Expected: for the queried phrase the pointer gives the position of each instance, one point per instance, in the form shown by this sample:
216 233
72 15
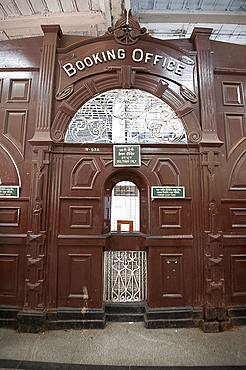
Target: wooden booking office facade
95 127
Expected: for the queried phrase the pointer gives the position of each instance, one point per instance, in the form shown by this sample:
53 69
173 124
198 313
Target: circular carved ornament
194 137
58 136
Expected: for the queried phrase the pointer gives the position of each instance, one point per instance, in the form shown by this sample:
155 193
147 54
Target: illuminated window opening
125 207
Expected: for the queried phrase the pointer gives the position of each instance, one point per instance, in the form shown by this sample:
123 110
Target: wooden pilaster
35 282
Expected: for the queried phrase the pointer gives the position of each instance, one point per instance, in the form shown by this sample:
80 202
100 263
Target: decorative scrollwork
126 116
64 93
127 31
194 137
125 275
58 136
187 60
187 94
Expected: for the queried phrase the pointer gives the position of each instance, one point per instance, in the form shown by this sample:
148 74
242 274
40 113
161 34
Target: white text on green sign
126 155
9 191
168 191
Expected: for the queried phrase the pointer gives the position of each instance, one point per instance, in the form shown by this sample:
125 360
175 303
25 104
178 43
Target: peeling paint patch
85 297
84 310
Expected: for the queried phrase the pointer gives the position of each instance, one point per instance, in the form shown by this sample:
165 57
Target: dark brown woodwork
53 236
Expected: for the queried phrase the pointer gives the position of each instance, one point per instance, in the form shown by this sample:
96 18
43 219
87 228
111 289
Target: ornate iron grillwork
125 276
126 116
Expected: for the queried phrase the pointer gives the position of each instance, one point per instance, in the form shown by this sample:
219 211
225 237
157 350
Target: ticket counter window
125 207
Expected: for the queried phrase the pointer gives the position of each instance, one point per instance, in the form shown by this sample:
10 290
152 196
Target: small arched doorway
125 272
126 223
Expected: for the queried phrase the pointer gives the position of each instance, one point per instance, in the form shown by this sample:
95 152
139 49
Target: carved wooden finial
127 30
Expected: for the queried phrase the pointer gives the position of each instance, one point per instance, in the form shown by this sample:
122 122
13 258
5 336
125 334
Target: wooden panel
233 217
170 216
15 127
234 126
8 173
238 269
84 173
9 216
172 275
235 267
80 276
12 273
80 217
167 172
238 175
238 217
232 93
19 90
13 216
8 274
77 218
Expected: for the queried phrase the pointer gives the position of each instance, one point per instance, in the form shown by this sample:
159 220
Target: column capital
52 28
199 31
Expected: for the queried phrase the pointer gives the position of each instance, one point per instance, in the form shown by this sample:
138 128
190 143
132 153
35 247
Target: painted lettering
178 70
111 54
157 58
147 57
69 69
164 62
171 65
121 54
138 55
104 56
80 65
141 54
96 58
88 62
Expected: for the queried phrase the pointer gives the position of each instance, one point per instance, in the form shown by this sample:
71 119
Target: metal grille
125 276
126 116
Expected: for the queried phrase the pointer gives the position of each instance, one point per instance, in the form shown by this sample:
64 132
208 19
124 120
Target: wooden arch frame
138 178
90 87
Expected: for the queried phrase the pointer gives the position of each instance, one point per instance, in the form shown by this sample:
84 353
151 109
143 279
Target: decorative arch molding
9 171
238 174
126 174
90 87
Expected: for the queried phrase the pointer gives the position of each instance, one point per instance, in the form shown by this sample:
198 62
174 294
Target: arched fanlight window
126 116
125 207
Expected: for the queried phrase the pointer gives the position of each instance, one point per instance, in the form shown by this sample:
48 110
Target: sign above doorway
126 155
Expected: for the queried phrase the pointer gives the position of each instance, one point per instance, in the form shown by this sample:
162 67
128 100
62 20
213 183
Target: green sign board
126 155
9 191
168 191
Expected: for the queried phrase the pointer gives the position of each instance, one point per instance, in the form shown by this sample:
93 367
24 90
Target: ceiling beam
159 16
27 26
